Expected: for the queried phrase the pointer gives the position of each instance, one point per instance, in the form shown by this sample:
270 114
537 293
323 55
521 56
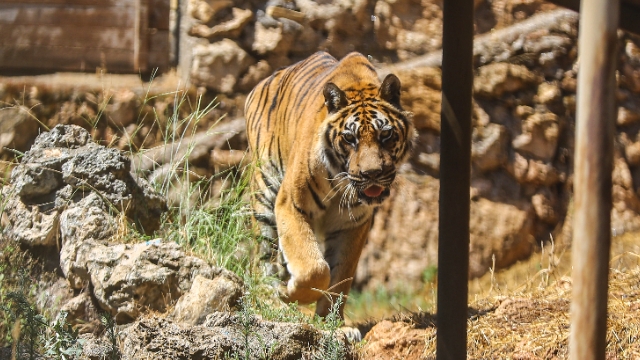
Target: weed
63 343
381 302
331 348
28 326
430 274
111 333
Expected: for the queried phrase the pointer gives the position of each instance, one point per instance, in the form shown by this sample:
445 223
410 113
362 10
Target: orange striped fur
328 137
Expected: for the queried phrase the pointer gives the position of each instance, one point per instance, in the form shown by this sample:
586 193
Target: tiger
327 138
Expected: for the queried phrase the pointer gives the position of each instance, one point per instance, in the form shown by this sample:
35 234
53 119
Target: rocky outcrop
404 239
522 153
235 35
74 196
523 117
222 334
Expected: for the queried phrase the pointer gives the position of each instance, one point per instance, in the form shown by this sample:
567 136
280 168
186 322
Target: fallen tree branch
189 148
496 45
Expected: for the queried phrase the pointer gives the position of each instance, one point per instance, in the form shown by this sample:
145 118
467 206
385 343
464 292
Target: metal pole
592 177
455 157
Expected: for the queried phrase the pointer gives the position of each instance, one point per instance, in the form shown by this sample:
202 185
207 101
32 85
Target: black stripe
264 201
332 235
357 220
316 198
265 219
313 178
279 156
333 161
299 209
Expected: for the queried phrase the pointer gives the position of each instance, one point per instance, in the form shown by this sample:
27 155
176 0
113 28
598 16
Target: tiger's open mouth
374 193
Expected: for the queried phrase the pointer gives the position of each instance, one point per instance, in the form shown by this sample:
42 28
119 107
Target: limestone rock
539 137
500 230
272 40
205 297
534 172
17 128
548 92
627 116
544 206
489 147
224 335
422 96
230 29
205 10
495 79
218 65
129 278
82 228
401 26
404 238
121 111
31 224
82 313
631 150
254 75
62 168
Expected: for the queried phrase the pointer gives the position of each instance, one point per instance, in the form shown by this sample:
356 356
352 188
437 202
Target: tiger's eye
349 138
385 134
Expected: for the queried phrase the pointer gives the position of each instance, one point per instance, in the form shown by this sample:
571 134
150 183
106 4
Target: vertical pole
455 164
592 177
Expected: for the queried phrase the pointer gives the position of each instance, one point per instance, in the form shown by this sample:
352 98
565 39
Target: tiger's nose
371 173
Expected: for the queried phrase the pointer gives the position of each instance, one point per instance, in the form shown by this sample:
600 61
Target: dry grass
524 312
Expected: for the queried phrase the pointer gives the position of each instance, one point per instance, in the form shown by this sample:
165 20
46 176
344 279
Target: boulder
227 335
403 241
489 147
17 128
127 279
205 297
219 65
539 136
65 169
499 230
71 192
229 29
495 79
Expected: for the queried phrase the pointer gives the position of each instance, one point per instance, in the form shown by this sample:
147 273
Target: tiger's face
367 136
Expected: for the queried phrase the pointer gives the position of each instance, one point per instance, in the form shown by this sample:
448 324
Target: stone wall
523 118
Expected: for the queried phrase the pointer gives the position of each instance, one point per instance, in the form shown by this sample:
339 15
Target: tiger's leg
310 273
342 252
265 184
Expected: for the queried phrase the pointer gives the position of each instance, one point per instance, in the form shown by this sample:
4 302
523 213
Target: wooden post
595 126
455 164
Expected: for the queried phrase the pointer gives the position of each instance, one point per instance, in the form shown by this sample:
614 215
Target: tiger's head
365 137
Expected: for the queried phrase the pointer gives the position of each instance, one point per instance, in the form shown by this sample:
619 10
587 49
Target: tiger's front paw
307 285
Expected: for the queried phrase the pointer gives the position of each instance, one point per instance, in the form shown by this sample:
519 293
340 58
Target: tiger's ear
390 90
334 98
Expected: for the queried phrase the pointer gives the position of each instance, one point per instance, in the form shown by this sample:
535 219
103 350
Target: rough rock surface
62 168
17 129
223 334
205 297
71 194
523 112
394 340
403 241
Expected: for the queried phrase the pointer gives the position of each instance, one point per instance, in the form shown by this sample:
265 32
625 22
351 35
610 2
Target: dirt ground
524 312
